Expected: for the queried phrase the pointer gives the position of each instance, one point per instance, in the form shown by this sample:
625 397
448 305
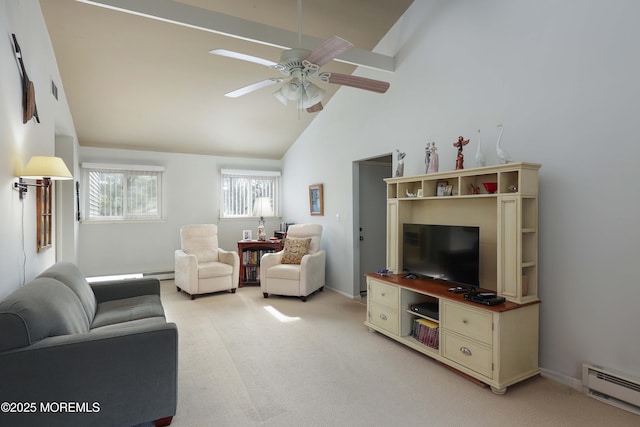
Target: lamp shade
40 167
262 207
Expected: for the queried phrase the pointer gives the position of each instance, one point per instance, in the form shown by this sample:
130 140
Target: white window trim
87 166
249 172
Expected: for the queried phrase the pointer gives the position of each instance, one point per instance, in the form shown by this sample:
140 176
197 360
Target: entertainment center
495 344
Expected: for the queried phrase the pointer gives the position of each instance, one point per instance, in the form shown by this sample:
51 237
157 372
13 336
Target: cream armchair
201 266
281 275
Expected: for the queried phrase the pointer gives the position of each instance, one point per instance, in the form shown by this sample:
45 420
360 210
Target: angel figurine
433 159
427 157
400 166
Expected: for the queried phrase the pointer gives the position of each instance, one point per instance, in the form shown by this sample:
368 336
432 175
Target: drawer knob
465 321
383 317
382 294
465 351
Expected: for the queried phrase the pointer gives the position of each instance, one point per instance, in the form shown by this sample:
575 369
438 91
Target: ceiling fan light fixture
312 95
280 96
291 89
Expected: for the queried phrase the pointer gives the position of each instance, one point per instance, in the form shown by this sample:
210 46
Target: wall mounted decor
29 108
316 202
44 216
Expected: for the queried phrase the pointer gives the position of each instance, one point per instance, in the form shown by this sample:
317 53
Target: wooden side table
250 253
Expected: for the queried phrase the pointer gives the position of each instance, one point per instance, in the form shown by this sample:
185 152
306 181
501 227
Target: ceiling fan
299 66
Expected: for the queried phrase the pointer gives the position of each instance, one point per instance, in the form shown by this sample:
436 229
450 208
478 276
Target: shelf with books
250 253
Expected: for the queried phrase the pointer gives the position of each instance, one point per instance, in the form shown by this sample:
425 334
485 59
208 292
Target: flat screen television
444 252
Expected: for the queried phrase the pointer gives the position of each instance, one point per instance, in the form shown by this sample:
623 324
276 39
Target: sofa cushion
214 269
42 308
128 309
124 326
70 275
294 250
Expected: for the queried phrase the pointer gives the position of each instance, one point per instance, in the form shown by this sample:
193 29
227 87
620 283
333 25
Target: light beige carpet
242 363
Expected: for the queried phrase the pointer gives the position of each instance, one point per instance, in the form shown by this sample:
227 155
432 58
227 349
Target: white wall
19 261
562 77
191 196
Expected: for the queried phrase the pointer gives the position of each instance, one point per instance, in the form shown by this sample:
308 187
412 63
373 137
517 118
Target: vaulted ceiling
139 82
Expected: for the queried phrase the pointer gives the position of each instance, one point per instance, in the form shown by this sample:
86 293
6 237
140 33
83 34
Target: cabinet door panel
509 247
385 317
392 236
468 321
468 353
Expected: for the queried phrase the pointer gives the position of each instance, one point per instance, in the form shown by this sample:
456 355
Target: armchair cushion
203 254
285 271
214 269
295 249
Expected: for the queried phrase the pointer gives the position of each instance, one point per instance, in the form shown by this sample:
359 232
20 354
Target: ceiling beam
231 26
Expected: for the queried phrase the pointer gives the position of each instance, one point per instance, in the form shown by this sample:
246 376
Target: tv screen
444 252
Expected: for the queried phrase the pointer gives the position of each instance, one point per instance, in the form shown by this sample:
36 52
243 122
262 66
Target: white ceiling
140 83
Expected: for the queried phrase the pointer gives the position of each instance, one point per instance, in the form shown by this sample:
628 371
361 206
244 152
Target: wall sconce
46 168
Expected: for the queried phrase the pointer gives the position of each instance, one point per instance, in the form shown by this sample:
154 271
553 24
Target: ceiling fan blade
315 108
358 82
328 50
252 87
244 57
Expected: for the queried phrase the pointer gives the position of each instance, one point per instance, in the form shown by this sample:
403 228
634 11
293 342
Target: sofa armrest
128 288
119 376
312 272
233 259
268 260
186 271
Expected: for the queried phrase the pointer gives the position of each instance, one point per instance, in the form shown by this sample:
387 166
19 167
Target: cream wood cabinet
508 220
497 345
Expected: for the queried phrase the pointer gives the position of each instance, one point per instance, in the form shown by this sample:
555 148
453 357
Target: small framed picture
441 188
316 203
448 190
246 234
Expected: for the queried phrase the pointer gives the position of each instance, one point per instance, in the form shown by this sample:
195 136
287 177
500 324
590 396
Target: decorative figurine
460 159
427 156
400 167
480 159
433 159
502 153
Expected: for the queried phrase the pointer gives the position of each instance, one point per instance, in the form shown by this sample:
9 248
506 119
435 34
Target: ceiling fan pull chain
300 23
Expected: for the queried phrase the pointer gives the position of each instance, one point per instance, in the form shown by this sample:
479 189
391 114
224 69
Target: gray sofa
75 354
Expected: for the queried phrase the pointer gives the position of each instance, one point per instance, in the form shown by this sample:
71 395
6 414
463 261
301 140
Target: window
123 192
248 194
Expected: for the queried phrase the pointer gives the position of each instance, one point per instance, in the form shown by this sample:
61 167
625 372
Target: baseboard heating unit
612 387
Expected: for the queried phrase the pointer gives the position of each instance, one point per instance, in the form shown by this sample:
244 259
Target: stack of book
427 332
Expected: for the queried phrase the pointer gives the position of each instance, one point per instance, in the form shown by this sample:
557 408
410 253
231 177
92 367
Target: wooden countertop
440 290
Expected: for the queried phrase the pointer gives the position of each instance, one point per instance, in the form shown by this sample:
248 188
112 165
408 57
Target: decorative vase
480 159
502 153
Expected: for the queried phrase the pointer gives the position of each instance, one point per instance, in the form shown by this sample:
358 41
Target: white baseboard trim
340 292
574 383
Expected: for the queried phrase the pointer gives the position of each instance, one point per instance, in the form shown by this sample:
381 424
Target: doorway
370 217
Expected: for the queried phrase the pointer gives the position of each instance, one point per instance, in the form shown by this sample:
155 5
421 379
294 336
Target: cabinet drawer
473 355
467 321
385 317
381 293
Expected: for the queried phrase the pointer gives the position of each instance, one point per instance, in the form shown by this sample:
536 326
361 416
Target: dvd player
485 298
428 309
